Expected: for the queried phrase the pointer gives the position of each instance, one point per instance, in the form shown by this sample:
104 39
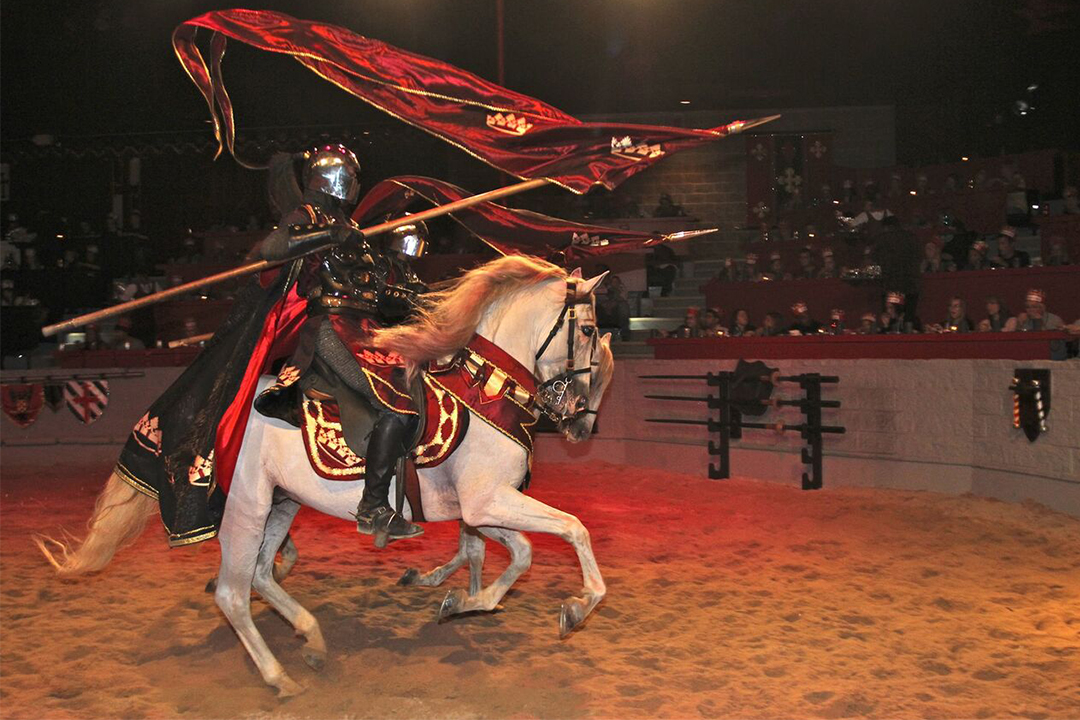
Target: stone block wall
942 425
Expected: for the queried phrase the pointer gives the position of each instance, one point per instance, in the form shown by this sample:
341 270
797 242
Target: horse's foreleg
266 584
488 598
508 508
241 537
436 577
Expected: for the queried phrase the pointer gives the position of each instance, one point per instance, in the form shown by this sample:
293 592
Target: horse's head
569 357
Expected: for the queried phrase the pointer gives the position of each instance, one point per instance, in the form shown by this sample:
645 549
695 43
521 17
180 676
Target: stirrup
386 525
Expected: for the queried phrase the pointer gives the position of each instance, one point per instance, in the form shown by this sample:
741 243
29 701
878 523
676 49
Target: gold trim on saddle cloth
446 429
524 426
324 434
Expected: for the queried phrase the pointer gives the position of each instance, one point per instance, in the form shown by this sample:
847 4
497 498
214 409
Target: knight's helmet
409 240
333 170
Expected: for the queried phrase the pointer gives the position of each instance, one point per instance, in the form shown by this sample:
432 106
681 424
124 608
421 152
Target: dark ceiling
955 69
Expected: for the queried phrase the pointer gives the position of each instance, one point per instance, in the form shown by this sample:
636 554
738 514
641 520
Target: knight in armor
353 286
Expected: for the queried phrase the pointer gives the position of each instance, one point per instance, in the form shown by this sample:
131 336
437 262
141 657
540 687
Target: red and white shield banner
87 398
22 403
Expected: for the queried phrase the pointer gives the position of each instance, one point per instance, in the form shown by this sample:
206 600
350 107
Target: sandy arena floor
726 599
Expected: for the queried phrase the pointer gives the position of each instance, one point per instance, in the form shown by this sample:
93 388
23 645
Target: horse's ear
589 286
576 273
605 340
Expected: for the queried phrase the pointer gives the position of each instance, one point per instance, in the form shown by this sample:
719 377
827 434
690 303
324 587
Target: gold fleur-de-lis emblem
759 152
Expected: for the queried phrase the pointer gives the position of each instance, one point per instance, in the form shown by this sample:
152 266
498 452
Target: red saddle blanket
332 458
482 378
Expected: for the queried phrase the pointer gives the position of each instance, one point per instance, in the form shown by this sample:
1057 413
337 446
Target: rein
551 394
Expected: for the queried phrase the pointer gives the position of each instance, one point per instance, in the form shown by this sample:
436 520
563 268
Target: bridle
554 395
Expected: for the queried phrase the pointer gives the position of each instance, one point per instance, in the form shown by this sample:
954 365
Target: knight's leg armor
385 446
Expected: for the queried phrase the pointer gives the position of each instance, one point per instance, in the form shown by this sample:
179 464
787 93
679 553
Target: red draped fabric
504 229
278 339
515 133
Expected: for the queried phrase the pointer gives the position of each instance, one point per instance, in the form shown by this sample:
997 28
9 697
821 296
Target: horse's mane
446 319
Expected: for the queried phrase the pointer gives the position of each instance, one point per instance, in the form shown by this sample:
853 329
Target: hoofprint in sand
732 598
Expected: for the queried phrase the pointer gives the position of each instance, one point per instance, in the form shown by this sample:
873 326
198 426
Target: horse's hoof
211 585
410 577
571 615
287 688
452 604
315 659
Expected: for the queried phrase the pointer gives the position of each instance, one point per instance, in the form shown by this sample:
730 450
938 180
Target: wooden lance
122 308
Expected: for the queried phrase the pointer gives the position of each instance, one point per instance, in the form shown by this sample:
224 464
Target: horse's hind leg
508 508
265 583
488 599
241 537
470 549
289 555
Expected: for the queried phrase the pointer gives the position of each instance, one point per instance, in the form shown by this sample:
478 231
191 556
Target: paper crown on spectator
869 316
979 245
1035 295
774 255
895 298
836 314
826 252
691 311
798 307
1008 232
751 259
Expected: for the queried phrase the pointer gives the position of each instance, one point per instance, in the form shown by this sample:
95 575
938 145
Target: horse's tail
120 515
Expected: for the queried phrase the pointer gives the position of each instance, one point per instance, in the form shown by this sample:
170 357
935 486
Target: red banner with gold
507 230
515 133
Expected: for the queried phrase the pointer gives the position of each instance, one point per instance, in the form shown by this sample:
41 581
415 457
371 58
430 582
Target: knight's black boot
374 516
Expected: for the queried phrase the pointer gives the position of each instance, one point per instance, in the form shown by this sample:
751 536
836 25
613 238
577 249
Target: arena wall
940 425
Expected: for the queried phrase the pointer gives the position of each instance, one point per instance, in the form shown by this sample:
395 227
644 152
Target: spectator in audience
897 318
689 327
896 188
868 325
998 318
748 272
933 262
807 269
772 325
1036 317
612 306
7 292
956 320
1008 256
776 268
660 268
802 324
922 185
828 265
122 338
871 221
1058 254
740 325
836 321
848 193
709 324
666 207
729 272
1072 202
977 257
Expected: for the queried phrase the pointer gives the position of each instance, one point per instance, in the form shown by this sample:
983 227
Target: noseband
551 395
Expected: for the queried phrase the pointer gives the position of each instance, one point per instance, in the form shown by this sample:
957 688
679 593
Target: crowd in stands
956 317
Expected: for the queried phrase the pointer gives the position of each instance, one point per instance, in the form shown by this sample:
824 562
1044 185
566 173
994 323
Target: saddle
336 422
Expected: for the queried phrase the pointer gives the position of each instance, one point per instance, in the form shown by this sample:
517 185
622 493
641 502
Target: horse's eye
587 330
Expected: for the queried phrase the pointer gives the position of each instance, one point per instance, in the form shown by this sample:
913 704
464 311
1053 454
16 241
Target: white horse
515 302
